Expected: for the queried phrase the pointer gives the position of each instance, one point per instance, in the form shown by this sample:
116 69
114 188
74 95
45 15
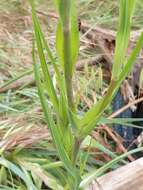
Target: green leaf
55 130
67 42
90 119
47 78
123 36
99 146
16 78
42 175
121 121
8 108
18 172
131 60
62 99
3 175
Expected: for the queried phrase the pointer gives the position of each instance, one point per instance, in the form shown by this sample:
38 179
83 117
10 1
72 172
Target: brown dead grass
21 131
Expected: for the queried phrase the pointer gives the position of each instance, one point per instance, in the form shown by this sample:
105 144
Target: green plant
68 128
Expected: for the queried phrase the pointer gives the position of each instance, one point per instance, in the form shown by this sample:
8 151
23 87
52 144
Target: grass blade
17 171
123 36
91 118
55 131
47 78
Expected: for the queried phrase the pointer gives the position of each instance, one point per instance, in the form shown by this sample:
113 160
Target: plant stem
76 148
67 54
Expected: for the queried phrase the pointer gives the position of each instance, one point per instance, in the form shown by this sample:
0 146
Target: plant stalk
68 81
67 54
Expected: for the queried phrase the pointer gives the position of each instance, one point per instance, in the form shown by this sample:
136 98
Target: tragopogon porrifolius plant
68 128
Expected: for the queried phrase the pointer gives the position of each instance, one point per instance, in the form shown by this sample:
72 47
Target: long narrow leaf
60 80
123 36
67 11
92 116
16 170
55 131
93 175
47 78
